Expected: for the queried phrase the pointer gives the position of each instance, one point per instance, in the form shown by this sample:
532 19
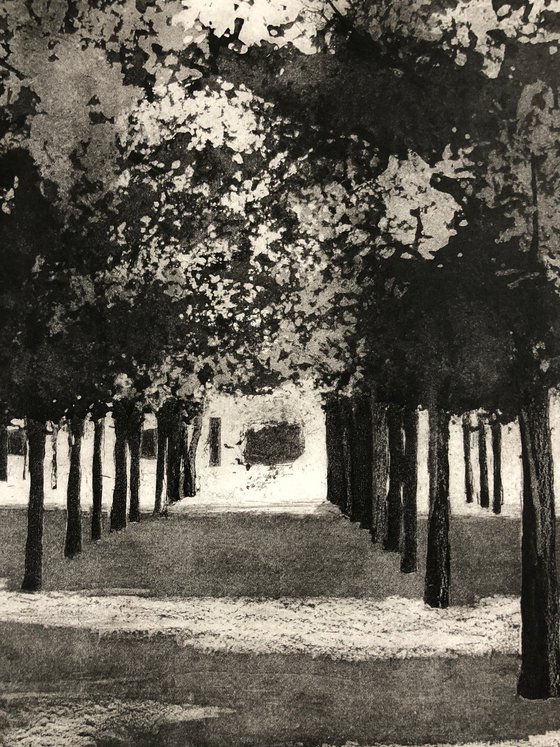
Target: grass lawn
257 555
275 699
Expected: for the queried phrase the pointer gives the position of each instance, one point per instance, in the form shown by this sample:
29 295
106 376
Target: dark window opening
276 443
215 442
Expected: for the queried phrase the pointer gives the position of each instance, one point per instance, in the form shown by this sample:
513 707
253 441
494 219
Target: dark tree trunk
97 479
33 574
394 494
162 437
118 508
346 419
189 489
3 452
73 542
135 446
540 619
483 464
336 484
498 492
362 467
54 456
380 471
469 480
409 563
174 460
192 452
25 447
438 556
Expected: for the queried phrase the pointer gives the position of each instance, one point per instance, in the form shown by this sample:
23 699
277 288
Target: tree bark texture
73 541
336 484
190 468
467 455
54 456
380 468
97 479
25 450
540 620
409 561
118 508
483 465
346 418
173 467
438 556
362 466
394 494
3 452
189 488
33 574
135 423
162 437
498 491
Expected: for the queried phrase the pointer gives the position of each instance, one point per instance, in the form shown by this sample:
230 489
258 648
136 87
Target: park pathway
347 629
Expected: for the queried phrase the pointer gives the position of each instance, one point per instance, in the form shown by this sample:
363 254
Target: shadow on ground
262 556
276 700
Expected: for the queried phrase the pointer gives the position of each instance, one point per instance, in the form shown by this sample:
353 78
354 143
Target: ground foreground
201 631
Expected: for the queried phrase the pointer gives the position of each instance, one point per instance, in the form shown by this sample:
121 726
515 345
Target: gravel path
349 629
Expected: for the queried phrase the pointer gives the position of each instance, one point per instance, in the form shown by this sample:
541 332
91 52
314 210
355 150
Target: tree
498 491
483 464
409 562
467 456
394 495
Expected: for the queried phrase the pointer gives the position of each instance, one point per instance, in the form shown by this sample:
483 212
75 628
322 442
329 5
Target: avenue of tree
231 195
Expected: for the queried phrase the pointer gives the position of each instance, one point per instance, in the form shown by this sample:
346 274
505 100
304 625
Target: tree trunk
380 471
346 419
97 479
362 467
162 437
483 464
33 574
540 619
54 456
3 451
174 460
135 446
469 480
438 557
498 492
336 484
409 563
25 441
73 542
118 508
192 451
189 489
394 498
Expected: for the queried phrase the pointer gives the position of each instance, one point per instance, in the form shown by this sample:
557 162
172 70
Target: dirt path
348 629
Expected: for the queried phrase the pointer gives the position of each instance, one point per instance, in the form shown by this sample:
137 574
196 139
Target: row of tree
197 196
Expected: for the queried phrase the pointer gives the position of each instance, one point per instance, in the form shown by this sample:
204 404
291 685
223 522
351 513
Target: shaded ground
277 700
262 556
